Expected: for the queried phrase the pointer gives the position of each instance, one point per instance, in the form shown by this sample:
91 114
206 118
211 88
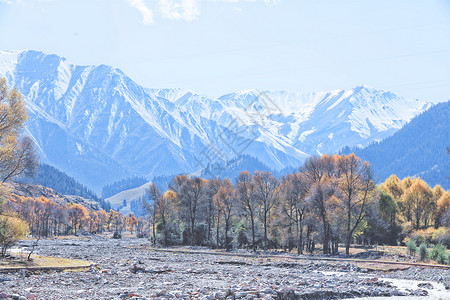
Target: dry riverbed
129 269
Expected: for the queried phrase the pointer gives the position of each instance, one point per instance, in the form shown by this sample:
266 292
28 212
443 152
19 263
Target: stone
396 293
239 295
79 292
425 285
31 296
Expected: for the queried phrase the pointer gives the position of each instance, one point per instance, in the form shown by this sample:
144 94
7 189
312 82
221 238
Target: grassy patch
381 267
19 261
61 237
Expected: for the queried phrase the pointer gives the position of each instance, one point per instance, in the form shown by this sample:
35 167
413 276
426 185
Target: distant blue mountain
420 148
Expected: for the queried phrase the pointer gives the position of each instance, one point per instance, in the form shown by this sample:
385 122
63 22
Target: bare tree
294 191
288 207
150 204
211 210
191 198
165 212
265 185
246 193
355 186
226 200
317 172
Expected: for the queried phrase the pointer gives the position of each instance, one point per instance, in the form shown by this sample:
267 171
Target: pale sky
219 46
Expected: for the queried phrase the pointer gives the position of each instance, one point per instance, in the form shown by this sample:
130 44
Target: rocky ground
124 272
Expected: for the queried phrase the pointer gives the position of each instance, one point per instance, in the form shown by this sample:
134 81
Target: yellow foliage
393 186
417 203
443 204
11 230
17 154
440 235
19 227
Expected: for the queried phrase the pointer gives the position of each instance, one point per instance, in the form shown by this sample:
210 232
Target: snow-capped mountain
98 125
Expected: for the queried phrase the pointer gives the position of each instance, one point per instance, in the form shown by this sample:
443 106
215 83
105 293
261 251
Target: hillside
418 149
36 191
122 185
60 182
128 199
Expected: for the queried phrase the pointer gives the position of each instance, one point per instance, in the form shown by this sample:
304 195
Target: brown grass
19 261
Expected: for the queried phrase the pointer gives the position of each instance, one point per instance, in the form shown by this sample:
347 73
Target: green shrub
412 248
443 259
423 252
437 251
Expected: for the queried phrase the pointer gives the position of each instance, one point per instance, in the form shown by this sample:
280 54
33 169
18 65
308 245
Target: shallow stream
437 291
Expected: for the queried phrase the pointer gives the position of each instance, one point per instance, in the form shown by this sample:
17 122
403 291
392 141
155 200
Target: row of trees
412 200
327 201
331 200
410 207
48 218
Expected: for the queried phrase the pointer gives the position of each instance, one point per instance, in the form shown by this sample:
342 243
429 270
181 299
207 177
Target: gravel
124 272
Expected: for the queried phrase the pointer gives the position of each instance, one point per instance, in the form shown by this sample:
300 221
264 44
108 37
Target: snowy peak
85 116
8 60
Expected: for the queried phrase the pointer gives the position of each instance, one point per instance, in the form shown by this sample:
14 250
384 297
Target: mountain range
99 126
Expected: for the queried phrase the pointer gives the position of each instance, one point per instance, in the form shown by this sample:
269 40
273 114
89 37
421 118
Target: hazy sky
220 46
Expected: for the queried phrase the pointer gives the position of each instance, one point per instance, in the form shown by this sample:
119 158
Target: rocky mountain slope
36 191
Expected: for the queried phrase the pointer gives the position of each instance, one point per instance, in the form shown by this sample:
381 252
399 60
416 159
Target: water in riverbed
438 292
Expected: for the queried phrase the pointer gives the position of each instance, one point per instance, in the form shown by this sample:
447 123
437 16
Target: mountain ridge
99 126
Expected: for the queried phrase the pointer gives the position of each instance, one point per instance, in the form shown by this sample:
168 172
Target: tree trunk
300 238
336 247
308 244
349 233
253 231
192 231
265 231
217 231
154 233
347 245
289 237
209 222
164 231
226 235
326 237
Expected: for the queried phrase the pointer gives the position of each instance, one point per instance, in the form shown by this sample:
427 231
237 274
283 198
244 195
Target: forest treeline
62 183
331 200
122 185
46 218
